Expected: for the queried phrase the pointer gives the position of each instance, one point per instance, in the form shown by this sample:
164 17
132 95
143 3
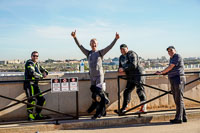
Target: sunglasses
169 50
35 55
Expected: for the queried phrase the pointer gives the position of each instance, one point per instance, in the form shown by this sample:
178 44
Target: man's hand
158 73
73 34
44 74
121 73
121 70
117 36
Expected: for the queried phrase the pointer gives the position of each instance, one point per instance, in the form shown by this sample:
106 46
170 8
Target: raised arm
105 50
85 51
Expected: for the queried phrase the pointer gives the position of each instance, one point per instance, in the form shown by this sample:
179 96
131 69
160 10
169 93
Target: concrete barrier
65 102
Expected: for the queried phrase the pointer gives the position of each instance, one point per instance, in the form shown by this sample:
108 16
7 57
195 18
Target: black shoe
99 116
174 121
96 116
121 111
184 119
41 117
104 114
93 117
116 111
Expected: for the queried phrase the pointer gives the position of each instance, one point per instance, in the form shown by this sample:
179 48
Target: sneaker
99 116
41 117
31 117
121 111
143 108
95 117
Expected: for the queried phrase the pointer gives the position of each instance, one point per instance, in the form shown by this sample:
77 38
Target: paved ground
192 126
158 122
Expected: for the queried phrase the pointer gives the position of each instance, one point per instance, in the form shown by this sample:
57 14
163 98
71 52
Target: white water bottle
82 66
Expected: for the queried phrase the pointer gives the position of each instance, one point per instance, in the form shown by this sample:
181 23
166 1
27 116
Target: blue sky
146 26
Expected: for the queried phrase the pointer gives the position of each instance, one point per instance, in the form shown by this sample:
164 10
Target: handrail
41 107
152 87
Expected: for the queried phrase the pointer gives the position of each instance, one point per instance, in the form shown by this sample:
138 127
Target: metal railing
150 100
69 117
66 116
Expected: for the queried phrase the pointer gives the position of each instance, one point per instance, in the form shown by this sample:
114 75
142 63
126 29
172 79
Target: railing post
118 82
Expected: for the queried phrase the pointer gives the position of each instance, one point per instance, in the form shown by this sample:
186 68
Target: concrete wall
66 102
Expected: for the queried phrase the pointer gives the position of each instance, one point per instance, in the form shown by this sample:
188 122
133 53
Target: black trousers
99 101
31 89
130 86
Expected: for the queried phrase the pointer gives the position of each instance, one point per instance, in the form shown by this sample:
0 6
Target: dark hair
34 52
170 47
123 46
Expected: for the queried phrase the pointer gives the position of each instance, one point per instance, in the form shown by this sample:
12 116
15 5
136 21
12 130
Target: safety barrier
150 100
66 116
76 116
24 101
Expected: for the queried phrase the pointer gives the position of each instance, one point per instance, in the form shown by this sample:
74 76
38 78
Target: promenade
157 127
147 123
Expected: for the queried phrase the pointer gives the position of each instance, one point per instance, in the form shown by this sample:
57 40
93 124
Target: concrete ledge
107 122
86 122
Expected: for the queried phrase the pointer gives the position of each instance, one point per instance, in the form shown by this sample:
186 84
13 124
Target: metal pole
118 81
77 105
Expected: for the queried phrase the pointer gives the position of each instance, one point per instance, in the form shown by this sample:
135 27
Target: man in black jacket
34 71
129 64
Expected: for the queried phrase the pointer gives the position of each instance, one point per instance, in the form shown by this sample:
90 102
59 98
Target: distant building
14 62
73 61
54 61
107 61
3 62
58 61
115 61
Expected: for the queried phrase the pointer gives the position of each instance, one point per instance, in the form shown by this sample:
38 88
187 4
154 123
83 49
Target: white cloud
51 32
99 28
